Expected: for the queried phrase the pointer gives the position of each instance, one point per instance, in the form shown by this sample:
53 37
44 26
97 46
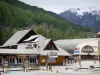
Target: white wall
24 45
87 63
93 44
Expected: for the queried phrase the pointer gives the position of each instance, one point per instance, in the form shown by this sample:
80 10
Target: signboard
52 54
29 46
76 51
52 60
52 57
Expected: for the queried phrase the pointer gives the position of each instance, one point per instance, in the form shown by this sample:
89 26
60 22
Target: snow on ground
56 70
16 73
50 73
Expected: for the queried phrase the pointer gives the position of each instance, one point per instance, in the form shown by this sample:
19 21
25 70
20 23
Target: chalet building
26 46
98 35
86 52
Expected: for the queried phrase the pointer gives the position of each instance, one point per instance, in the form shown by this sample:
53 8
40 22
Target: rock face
89 17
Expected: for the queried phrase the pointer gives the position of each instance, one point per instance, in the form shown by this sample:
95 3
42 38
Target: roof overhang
16 51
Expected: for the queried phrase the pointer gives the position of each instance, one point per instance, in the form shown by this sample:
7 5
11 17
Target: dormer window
50 46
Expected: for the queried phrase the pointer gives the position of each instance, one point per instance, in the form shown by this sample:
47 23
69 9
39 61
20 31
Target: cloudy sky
58 6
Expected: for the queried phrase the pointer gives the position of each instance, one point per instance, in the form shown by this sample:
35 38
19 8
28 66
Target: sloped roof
98 33
37 37
70 44
42 43
40 40
16 37
60 52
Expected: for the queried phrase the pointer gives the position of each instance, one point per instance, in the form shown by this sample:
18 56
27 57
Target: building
85 51
25 46
98 35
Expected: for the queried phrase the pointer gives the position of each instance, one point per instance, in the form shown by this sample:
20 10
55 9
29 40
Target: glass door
19 61
32 60
11 61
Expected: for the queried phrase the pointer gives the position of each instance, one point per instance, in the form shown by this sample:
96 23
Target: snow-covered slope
89 17
92 10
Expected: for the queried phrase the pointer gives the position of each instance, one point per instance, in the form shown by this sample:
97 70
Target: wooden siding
59 60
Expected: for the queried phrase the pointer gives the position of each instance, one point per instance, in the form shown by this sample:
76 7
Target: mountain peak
89 17
81 11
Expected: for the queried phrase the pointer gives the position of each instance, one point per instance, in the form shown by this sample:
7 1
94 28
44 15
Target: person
75 60
46 64
5 66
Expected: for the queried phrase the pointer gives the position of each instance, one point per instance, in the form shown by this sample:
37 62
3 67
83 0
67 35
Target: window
87 49
87 57
32 60
52 60
19 60
50 46
11 61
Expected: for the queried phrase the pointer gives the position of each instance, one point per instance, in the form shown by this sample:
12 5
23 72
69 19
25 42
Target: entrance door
88 60
19 61
33 60
11 61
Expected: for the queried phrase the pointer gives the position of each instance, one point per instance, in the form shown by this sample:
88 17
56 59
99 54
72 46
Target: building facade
25 47
86 52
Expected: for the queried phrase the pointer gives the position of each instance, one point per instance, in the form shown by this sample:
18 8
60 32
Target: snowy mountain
81 12
89 17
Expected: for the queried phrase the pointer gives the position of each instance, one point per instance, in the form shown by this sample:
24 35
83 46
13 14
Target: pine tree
70 33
